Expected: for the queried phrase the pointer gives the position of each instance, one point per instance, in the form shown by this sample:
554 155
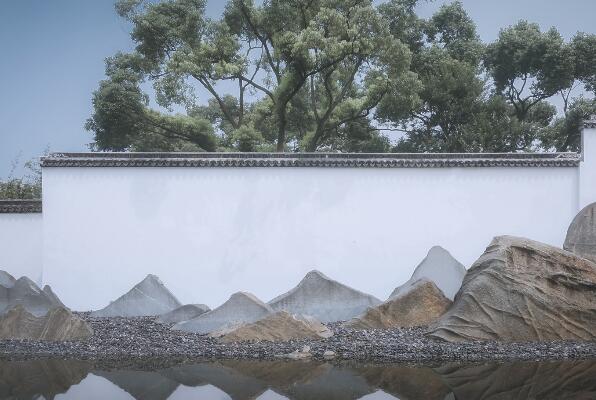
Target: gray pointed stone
183 313
581 235
26 293
323 298
240 308
439 267
6 279
149 297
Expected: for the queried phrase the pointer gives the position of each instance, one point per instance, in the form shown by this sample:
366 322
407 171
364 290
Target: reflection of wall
208 232
20 244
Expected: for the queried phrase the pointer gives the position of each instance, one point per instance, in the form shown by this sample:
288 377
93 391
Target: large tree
321 64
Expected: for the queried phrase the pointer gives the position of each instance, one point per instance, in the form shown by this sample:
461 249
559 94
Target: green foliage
337 75
24 188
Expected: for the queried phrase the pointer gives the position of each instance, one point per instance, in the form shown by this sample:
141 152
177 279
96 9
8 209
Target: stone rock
6 279
184 313
280 326
147 298
240 308
323 298
522 290
25 292
329 354
57 325
298 354
422 304
440 267
581 235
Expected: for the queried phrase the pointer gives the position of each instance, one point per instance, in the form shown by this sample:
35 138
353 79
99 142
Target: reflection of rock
422 304
240 308
581 235
183 313
147 298
440 267
522 290
25 292
58 324
406 383
522 380
47 378
323 298
142 385
280 326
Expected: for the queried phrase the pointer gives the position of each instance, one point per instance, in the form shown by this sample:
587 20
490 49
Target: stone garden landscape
520 300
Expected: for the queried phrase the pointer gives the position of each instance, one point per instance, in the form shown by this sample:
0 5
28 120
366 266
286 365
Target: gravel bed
142 338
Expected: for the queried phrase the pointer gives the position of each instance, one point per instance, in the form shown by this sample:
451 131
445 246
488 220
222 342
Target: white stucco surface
210 232
21 245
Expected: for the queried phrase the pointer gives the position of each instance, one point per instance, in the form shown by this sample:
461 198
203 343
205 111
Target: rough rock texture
147 298
280 326
59 324
184 313
440 267
240 308
6 279
323 298
25 292
522 290
581 235
422 304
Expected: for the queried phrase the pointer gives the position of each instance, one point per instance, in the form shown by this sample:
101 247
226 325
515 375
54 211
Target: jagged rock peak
240 308
147 298
323 298
6 279
440 267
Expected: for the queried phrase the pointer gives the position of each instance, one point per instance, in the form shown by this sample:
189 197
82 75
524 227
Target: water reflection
240 380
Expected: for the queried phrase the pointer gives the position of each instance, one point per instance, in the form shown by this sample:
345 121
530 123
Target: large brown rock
58 324
581 235
422 304
280 326
522 290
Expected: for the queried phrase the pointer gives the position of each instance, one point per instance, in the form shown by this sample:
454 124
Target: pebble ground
122 339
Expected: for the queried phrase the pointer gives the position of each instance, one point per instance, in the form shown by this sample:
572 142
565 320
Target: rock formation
422 304
147 298
581 235
280 326
240 308
183 313
323 298
522 290
25 292
440 267
58 324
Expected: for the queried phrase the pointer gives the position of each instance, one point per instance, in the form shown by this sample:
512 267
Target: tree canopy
338 75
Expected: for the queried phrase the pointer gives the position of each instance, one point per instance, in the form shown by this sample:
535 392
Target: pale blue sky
53 55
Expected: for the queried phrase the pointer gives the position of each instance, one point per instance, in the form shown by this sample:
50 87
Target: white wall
208 232
587 170
21 245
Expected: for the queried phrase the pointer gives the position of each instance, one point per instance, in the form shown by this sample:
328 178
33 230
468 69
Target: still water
57 379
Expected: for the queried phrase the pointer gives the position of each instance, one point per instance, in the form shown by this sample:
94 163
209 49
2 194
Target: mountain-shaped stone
440 267
323 298
521 290
25 292
581 235
149 297
57 325
6 279
420 305
183 313
239 309
280 326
